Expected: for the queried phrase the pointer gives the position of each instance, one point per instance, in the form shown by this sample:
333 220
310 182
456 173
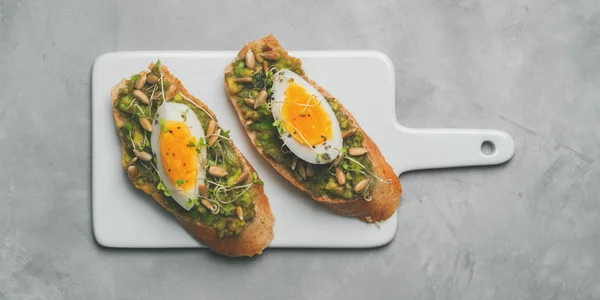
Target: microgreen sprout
388 181
163 126
161 187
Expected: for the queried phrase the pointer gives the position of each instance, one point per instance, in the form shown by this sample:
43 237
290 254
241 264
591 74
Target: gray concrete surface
528 229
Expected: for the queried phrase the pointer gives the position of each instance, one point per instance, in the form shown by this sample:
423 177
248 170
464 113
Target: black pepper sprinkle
170 131
289 135
178 127
169 170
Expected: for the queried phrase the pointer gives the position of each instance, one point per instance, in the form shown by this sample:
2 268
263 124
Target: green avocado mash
323 181
223 193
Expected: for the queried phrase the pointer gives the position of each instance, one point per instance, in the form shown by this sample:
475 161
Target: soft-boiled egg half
308 125
175 133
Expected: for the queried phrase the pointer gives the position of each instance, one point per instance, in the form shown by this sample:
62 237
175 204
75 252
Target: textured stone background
528 229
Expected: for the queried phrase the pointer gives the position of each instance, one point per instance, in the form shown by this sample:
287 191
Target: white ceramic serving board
362 80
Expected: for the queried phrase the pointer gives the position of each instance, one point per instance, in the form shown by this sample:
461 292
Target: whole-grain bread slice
257 234
385 196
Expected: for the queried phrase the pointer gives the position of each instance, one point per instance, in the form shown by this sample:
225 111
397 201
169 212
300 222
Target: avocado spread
321 181
228 206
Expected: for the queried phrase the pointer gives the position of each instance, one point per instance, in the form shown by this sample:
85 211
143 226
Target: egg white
170 111
327 151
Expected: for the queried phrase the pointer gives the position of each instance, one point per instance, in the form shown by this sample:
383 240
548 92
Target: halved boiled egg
307 124
176 132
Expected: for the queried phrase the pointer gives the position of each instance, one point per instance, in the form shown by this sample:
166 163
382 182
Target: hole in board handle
488 148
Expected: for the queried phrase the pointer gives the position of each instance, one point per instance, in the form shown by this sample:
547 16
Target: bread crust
385 196
256 235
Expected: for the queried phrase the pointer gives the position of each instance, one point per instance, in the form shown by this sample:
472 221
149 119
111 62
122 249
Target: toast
336 183
237 237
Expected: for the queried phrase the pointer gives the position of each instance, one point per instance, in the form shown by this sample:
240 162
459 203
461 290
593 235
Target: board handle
446 148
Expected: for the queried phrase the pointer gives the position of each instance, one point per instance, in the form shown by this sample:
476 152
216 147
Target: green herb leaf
276 123
191 144
254 176
163 126
179 182
161 187
259 182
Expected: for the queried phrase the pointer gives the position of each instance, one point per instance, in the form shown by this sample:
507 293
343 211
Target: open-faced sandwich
175 150
307 135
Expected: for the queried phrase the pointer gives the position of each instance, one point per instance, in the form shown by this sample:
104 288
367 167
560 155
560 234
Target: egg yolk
178 155
304 116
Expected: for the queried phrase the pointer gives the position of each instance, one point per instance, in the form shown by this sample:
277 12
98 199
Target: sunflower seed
266 67
131 161
203 190
214 137
361 185
338 160
310 170
207 204
141 96
242 53
212 125
143 155
357 151
340 177
349 133
249 101
301 170
243 80
171 91
217 171
239 212
139 84
132 172
260 99
152 79
271 55
146 124
242 177
250 62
